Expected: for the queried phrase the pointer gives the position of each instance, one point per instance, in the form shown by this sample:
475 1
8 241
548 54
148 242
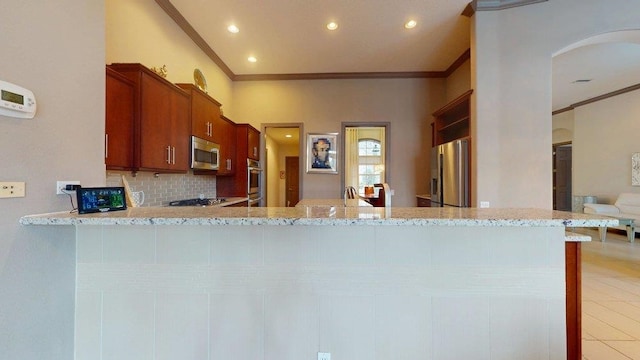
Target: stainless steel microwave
205 155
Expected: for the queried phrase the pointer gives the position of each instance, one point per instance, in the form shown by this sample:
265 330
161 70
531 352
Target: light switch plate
9 189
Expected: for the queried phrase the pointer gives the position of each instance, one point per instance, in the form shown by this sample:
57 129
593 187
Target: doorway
366 154
292 180
280 147
562 177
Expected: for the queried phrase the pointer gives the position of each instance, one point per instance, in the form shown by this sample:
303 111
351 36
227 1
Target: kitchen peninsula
263 283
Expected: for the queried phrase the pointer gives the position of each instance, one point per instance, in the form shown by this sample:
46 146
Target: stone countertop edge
325 216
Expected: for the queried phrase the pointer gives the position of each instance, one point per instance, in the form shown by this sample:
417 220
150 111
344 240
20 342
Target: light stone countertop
324 215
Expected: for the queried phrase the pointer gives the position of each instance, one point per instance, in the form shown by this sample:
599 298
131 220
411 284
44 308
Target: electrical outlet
484 204
11 189
324 356
61 184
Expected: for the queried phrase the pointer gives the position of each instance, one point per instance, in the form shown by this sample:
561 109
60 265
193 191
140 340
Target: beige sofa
626 209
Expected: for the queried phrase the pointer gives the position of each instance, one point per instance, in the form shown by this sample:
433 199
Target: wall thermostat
16 101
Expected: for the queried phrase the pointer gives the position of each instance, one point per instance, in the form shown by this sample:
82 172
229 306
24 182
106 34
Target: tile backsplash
163 188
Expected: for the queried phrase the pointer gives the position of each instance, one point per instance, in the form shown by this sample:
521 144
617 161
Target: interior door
292 180
562 178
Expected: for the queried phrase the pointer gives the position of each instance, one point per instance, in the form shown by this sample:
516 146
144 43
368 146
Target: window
370 164
365 151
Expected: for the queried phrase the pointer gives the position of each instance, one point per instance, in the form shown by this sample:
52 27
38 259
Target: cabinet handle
168 154
106 146
255 151
228 164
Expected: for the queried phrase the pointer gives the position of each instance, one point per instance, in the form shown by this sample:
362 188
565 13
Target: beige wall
511 65
55 49
458 82
562 125
605 138
322 105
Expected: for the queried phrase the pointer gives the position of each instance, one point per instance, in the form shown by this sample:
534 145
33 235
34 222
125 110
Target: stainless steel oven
254 178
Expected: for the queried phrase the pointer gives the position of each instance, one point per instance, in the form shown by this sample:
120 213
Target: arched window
370 163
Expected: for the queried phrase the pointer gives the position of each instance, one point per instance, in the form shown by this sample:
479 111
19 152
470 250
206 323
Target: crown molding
492 5
174 14
597 98
342 75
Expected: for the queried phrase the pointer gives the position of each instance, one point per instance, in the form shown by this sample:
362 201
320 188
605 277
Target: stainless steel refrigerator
450 174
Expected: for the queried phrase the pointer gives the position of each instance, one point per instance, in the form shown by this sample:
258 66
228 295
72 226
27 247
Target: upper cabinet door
253 142
118 149
227 141
180 132
205 114
161 121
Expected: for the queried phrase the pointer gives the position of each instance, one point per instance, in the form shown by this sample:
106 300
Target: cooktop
197 202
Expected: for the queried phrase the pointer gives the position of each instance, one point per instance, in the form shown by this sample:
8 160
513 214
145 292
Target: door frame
263 154
387 147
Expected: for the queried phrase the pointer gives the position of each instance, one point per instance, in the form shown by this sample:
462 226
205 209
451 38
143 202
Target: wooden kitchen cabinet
161 125
249 137
453 120
118 138
208 123
228 159
205 114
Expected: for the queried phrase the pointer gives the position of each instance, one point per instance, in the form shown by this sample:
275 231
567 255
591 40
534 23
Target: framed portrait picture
322 153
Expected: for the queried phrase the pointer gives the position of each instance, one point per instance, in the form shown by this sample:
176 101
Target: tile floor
610 297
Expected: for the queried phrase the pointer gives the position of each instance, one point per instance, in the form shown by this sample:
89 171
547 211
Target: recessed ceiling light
252 59
233 29
332 26
288 136
410 24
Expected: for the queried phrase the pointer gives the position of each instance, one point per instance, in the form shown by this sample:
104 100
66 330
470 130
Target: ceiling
289 37
610 66
283 135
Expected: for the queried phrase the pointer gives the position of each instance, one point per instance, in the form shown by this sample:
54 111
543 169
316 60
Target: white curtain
383 144
351 157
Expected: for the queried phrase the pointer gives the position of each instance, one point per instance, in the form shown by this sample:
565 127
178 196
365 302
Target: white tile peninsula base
288 292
